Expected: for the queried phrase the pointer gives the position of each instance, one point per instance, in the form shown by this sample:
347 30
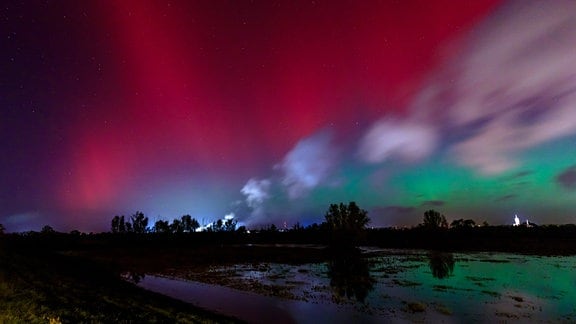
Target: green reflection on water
515 286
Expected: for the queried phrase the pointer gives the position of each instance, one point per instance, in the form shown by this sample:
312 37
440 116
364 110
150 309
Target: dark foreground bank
46 286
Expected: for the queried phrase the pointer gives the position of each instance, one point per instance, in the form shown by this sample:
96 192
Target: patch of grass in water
387 270
442 287
406 283
494 261
445 288
442 309
507 315
479 279
416 307
276 276
517 298
491 293
320 288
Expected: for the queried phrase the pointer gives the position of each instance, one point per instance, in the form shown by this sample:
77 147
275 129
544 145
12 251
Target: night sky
272 110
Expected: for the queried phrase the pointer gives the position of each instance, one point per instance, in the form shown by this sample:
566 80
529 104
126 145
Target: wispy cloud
510 86
256 191
309 164
395 138
513 84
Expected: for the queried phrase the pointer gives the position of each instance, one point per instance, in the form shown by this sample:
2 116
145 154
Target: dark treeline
138 223
549 239
344 225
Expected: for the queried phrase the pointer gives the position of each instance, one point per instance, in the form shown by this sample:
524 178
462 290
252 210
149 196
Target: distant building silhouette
526 224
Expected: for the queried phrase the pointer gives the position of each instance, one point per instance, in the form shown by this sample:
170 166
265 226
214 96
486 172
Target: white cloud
396 138
308 164
512 85
256 192
491 151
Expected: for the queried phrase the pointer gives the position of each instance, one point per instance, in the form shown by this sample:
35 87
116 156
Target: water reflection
350 275
441 264
480 290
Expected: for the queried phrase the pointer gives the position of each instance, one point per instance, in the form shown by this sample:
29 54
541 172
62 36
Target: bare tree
139 223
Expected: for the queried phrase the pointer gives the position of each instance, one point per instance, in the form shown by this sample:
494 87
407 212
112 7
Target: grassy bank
41 286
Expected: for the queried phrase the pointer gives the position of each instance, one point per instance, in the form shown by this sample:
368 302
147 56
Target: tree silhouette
218 226
297 227
271 228
47 230
469 223
433 219
346 223
139 223
2 229
457 223
115 226
161 226
176 226
122 225
230 225
194 225
461 223
186 222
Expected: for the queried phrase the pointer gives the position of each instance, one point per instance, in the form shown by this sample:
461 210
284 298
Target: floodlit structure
527 224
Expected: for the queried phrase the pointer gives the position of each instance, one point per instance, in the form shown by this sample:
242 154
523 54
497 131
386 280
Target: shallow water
390 285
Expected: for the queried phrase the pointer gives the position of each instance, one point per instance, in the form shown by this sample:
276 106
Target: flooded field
391 285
